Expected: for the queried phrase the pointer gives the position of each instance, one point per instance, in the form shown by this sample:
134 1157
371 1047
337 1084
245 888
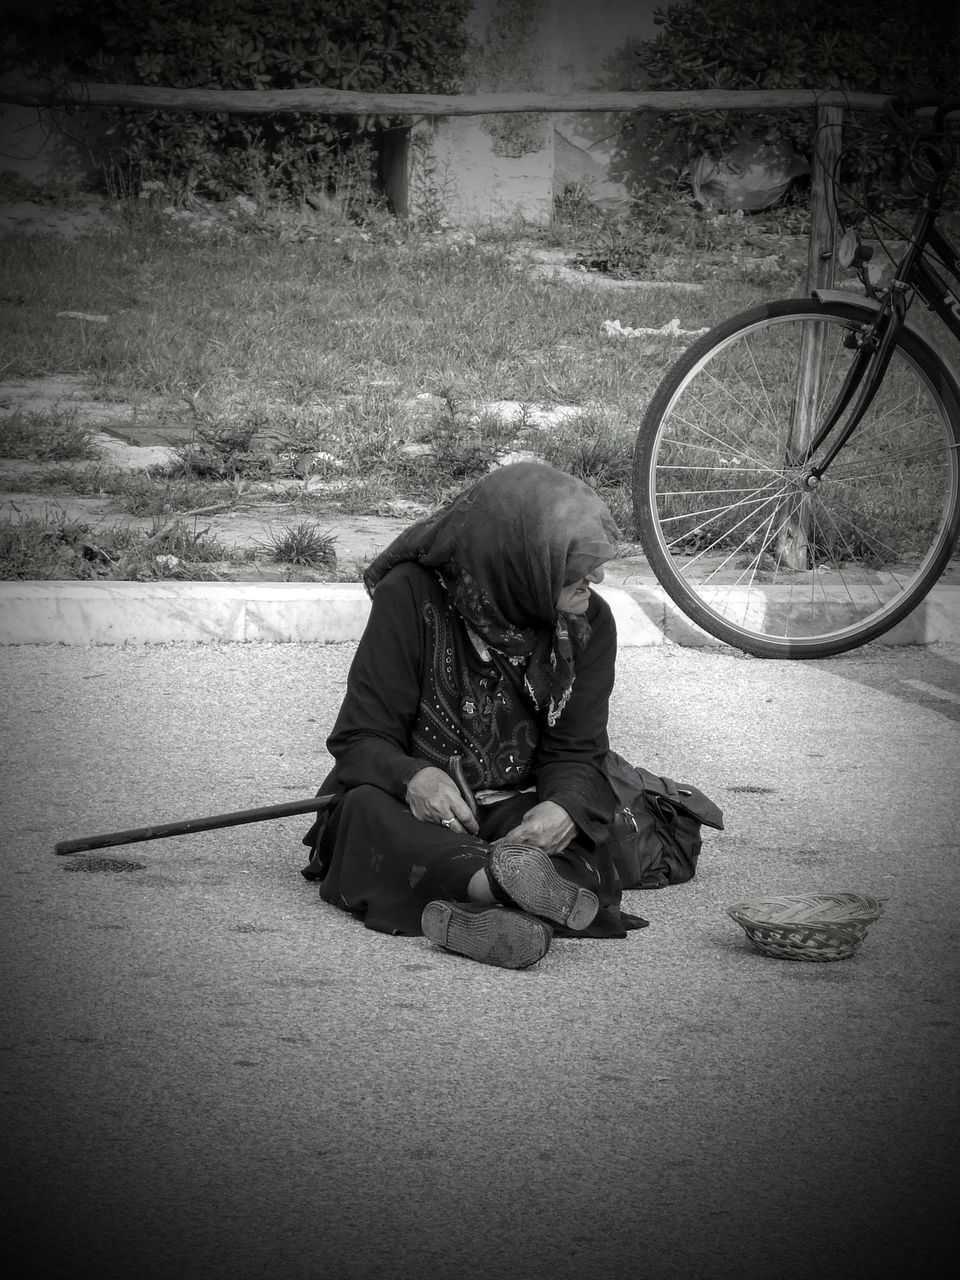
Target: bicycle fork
874 350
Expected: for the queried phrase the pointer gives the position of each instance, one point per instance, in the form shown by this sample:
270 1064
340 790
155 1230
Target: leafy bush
397 46
868 46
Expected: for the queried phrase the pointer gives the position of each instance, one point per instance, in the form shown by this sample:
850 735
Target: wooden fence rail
37 93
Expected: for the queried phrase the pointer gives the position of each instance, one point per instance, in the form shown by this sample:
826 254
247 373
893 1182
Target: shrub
869 46
394 46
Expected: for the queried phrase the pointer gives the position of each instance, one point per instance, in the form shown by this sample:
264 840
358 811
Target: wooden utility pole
794 543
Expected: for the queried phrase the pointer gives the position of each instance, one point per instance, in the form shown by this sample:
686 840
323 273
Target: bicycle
795 477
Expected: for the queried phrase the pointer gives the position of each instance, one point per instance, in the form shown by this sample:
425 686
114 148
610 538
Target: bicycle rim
747 551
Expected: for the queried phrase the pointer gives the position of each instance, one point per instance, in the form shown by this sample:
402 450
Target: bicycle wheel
733 534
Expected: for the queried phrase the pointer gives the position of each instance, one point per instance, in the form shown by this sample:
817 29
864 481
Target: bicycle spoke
702 466
737 401
737 445
761 495
745 409
883 551
705 493
766 542
850 472
705 515
853 559
725 535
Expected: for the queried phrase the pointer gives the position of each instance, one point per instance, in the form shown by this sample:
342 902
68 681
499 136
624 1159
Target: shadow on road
922 677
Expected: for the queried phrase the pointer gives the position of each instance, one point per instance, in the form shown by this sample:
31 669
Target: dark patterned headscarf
504 548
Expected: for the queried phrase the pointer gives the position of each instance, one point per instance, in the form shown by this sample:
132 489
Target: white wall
593 40
548 45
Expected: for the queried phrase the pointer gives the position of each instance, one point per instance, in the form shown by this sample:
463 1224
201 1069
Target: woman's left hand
547 825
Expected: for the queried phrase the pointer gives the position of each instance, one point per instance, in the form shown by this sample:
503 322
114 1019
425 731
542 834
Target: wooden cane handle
460 778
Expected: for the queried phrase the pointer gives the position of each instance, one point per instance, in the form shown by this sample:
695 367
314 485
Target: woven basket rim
863 908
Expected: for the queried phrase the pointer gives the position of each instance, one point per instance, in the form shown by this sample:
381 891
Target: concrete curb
110 613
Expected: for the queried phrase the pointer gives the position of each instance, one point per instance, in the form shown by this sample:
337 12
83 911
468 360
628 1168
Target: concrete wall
595 43
496 168
478 169
457 178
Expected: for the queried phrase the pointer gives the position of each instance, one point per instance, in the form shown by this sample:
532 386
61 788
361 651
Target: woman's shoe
492 935
529 880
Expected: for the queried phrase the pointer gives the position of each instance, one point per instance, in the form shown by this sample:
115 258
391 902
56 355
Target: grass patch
661 237
278 327
305 360
56 548
36 436
155 491
176 541
599 451
161 495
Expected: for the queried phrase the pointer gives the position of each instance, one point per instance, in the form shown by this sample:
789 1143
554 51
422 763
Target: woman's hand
433 796
547 825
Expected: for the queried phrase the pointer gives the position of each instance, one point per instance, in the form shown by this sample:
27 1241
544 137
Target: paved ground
208 1073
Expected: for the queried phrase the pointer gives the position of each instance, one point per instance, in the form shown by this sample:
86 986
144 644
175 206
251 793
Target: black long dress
421 688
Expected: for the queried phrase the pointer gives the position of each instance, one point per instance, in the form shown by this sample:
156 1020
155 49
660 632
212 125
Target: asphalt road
209 1073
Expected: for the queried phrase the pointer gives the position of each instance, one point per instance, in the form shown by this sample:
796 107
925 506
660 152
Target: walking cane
160 830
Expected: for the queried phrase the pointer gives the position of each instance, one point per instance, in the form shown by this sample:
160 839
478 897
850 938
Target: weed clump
304 545
61 549
53 436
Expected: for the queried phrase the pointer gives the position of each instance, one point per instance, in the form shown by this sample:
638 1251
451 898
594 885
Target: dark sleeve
370 740
570 755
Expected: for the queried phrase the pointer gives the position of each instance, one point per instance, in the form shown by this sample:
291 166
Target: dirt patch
31 215
559 264
135 436
144 423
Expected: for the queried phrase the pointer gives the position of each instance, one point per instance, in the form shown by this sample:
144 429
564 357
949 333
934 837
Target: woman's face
575 597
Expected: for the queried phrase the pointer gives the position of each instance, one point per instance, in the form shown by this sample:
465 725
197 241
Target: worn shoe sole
494 935
530 880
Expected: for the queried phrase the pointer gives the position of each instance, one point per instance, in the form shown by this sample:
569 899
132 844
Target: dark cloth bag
655 840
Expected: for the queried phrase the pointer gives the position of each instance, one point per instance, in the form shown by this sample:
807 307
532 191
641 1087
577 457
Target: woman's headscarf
504 548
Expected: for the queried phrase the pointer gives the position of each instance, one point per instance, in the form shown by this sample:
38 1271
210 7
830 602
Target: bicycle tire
712 484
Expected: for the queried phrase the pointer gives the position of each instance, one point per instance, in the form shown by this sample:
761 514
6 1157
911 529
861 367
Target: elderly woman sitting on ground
486 659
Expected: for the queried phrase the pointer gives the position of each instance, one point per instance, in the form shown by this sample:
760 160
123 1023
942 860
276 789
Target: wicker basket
807 926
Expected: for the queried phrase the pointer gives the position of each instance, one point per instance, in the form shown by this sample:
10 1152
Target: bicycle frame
867 371
932 288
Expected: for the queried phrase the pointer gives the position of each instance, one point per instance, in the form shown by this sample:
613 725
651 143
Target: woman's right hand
433 796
